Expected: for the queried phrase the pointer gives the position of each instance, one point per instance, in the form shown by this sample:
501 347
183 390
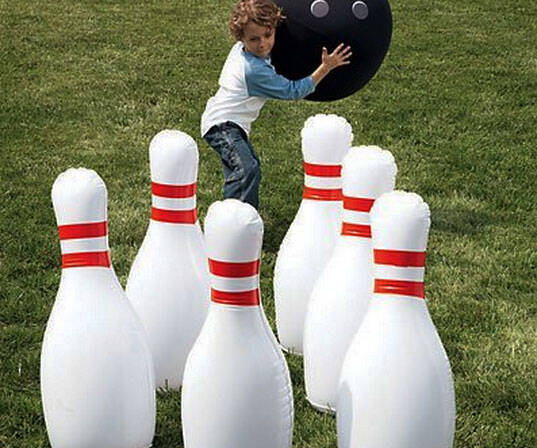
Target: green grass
88 83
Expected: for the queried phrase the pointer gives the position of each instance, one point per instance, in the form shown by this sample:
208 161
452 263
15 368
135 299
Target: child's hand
340 56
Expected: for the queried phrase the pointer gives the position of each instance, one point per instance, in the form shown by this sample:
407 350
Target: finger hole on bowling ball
360 10
319 8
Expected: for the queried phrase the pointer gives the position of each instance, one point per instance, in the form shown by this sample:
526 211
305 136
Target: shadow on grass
458 220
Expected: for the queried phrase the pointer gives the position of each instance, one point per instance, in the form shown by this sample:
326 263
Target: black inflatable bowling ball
365 25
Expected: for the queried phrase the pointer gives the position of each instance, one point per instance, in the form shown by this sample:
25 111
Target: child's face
258 40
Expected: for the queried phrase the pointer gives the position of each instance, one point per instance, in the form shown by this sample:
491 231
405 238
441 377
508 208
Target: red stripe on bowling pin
361 206
403 258
242 298
81 259
94 235
321 194
173 191
232 278
174 216
322 182
312 169
358 204
83 230
234 270
360 230
174 203
399 287
399 266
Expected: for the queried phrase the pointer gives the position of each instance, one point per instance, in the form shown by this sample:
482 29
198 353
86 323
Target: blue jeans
242 170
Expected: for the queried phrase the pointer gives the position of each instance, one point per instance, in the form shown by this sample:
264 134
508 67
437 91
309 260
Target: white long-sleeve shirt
246 81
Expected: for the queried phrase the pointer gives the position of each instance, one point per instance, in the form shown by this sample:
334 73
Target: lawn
88 83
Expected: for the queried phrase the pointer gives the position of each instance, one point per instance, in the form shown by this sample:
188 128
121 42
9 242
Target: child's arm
263 81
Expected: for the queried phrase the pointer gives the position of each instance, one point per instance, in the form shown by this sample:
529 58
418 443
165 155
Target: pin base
322 408
289 351
166 388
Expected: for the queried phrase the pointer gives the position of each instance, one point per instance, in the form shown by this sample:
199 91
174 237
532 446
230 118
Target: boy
246 81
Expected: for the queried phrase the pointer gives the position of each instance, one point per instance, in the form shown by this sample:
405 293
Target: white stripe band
84 245
399 273
228 284
354 217
322 182
173 203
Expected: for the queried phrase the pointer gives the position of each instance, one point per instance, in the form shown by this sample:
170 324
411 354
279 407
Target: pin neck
173 203
235 283
322 182
356 216
399 272
84 245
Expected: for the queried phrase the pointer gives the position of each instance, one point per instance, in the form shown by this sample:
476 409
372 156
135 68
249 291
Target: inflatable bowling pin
236 389
168 284
396 388
310 240
341 295
97 381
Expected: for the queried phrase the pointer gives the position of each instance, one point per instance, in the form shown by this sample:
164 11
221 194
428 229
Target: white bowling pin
310 240
341 295
396 388
97 380
236 390
168 284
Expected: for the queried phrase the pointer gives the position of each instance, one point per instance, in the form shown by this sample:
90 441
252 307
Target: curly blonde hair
260 12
